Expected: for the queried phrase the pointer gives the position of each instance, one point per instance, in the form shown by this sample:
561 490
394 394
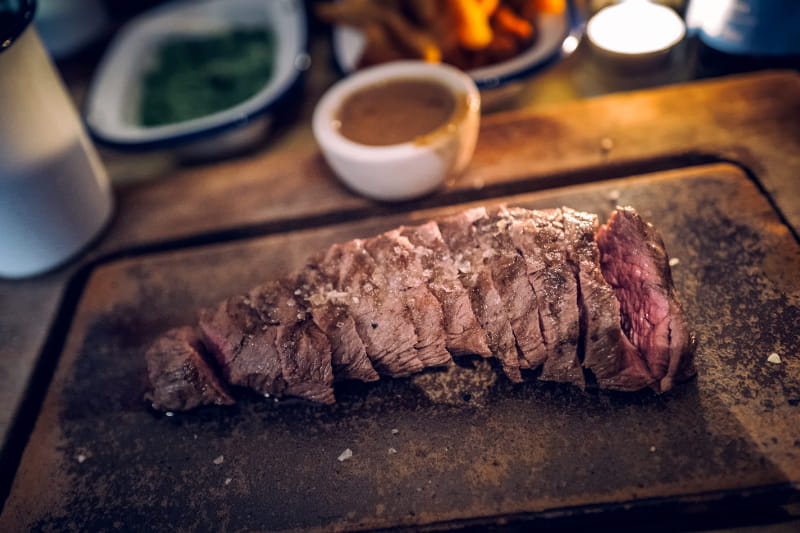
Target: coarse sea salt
345 455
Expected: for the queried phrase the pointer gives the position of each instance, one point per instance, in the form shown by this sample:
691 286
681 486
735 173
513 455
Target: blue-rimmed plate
558 37
112 107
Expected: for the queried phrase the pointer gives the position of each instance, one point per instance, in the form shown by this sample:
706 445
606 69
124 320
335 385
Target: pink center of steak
635 263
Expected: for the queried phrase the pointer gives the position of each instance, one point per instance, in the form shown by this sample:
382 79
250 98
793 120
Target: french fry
505 44
420 42
465 33
473 29
512 23
550 6
364 13
489 6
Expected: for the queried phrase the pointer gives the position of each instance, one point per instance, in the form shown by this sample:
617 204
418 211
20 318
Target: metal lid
15 15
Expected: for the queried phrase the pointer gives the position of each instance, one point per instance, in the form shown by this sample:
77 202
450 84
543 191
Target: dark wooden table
750 121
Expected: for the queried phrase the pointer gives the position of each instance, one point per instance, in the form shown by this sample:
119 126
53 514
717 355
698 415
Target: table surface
571 124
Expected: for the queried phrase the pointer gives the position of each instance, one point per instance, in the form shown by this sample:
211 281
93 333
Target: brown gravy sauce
396 111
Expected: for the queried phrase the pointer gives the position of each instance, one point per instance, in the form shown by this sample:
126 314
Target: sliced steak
303 349
348 355
539 236
406 277
635 263
463 334
531 288
459 233
380 316
180 376
614 361
243 345
510 277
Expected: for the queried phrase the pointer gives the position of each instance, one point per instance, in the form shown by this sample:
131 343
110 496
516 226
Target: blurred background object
67 26
198 76
744 35
54 192
747 27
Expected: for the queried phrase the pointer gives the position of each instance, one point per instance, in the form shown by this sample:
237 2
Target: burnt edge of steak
593 301
181 377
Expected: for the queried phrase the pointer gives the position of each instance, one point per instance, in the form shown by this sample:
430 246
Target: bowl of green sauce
203 76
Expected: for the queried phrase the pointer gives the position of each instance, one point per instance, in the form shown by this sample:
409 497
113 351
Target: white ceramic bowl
410 169
112 107
635 35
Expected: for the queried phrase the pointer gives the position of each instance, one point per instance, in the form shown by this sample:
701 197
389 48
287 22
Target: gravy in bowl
396 111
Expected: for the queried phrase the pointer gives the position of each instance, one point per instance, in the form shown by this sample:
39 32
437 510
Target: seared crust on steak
180 376
463 334
540 237
406 277
460 235
510 277
348 356
540 290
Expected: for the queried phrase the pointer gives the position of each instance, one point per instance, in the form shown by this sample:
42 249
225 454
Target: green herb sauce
197 76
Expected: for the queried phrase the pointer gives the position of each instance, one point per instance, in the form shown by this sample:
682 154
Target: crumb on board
228 481
218 460
774 358
345 455
674 261
395 431
80 458
392 451
652 449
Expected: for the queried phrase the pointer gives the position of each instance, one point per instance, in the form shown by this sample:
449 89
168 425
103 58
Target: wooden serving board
99 458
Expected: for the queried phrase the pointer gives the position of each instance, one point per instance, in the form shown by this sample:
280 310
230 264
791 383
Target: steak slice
614 361
243 345
459 233
179 374
407 278
348 355
636 265
539 236
303 349
463 334
510 277
380 316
